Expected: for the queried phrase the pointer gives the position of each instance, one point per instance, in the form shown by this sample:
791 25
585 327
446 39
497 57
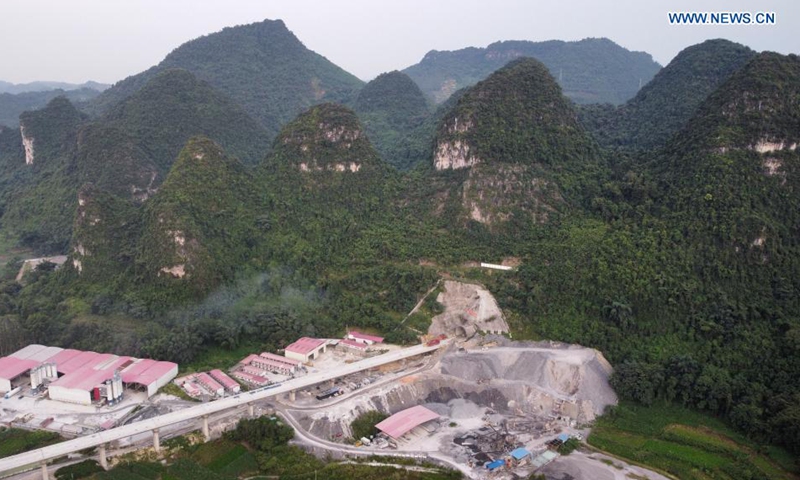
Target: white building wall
296 356
5 385
70 395
153 387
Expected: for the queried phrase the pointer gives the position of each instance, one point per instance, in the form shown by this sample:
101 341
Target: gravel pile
572 373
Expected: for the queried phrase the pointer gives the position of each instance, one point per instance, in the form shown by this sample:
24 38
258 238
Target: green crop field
687 445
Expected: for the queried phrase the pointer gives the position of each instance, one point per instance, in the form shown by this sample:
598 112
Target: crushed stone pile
570 373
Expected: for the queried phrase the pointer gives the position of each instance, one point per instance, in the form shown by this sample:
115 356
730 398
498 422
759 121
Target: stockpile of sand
468 309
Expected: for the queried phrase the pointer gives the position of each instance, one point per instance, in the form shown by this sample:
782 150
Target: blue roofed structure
520 453
563 438
495 465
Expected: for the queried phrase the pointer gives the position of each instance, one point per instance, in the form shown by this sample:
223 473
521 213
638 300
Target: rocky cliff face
27 144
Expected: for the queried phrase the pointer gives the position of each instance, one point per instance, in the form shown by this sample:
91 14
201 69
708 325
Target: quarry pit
489 389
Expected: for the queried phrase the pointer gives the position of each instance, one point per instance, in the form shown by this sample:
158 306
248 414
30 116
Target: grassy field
14 441
688 445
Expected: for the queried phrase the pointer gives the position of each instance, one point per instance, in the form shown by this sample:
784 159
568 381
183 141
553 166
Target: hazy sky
108 40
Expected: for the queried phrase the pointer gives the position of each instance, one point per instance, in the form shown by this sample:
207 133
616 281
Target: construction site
491 406
489 397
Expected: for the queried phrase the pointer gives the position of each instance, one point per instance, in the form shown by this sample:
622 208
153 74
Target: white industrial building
83 377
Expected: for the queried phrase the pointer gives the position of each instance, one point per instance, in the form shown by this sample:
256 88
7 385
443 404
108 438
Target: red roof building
81 372
230 384
210 384
11 368
254 380
406 420
306 349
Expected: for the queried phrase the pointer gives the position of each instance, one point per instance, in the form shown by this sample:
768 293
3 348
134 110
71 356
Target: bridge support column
45 475
292 396
251 410
101 452
330 383
156 441
206 433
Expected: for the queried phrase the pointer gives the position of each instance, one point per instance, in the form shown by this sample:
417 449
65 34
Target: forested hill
262 66
731 198
663 106
12 105
394 111
593 70
174 105
127 152
513 149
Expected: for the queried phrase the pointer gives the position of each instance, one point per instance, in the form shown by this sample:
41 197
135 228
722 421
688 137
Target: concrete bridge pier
101 452
292 396
156 441
45 475
206 433
331 383
251 410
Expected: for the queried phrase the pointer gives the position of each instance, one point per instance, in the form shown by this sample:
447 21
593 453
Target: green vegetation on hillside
126 153
394 111
686 444
262 66
13 105
665 104
514 148
39 200
174 106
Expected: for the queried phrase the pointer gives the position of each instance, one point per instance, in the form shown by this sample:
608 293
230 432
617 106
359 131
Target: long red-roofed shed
406 420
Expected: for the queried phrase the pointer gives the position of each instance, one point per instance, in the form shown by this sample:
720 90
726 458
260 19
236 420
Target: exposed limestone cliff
27 143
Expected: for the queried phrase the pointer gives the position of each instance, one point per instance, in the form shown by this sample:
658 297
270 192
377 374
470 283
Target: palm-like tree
618 312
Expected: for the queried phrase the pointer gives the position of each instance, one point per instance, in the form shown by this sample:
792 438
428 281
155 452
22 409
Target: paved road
35 457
